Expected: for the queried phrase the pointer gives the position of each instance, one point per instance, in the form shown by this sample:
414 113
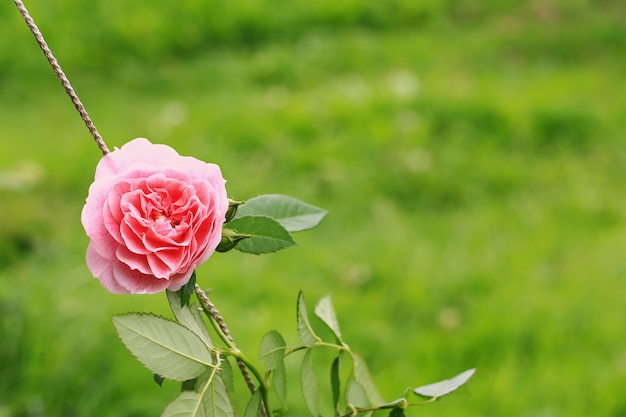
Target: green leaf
335 381
279 379
188 385
309 383
164 346
227 373
294 215
307 335
439 389
356 395
186 404
325 311
266 235
253 409
397 412
188 316
158 379
210 401
272 350
187 289
363 377
215 399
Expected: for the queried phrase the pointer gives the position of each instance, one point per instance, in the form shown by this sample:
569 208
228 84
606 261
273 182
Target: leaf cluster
356 393
179 350
182 350
265 223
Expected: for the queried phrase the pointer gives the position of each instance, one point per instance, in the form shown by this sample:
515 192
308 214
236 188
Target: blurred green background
472 156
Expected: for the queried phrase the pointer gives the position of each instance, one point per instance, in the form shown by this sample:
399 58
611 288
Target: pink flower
152 217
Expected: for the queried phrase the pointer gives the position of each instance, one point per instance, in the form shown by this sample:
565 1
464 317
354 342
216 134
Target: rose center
165 218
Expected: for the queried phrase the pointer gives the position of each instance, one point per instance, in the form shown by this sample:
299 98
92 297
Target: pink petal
92 217
133 260
136 282
159 268
171 257
137 151
102 269
179 280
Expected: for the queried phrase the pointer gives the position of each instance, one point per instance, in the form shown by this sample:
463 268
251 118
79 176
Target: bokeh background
472 156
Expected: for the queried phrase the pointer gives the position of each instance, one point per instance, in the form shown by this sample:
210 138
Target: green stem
220 327
407 404
333 345
263 386
343 347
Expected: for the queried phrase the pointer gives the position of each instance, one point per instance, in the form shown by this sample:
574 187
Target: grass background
471 156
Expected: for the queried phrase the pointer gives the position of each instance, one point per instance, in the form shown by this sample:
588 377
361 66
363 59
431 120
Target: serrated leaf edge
303 321
209 365
269 352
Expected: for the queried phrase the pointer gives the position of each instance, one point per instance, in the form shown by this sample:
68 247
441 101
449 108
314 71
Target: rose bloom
152 217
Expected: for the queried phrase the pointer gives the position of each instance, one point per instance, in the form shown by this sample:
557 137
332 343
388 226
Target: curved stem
333 345
294 350
218 323
407 404
343 347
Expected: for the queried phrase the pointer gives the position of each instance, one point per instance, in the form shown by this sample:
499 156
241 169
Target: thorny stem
214 315
65 82
242 361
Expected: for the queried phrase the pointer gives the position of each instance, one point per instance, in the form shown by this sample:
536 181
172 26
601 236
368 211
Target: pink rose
152 217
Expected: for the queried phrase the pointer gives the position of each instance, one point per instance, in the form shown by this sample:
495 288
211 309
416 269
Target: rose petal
133 260
93 220
152 216
172 258
136 282
137 151
102 268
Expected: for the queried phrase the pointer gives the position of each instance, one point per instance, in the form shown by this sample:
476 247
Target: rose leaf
188 316
266 235
441 388
165 347
215 399
272 350
187 289
279 378
335 381
294 215
308 381
307 335
227 373
364 378
325 311
186 404
253 407
356 395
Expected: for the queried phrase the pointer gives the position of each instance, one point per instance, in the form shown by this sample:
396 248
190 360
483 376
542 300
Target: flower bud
233 205
230 238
